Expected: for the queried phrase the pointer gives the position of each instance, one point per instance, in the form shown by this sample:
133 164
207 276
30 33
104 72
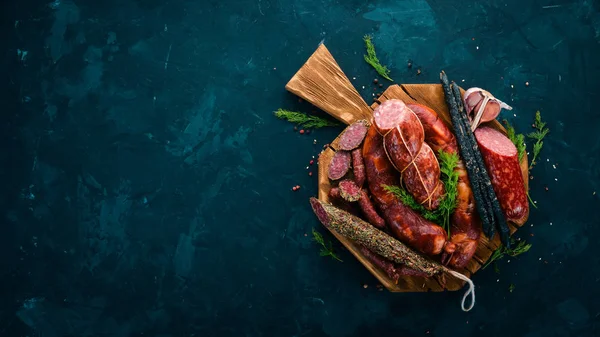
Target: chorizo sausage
403 222
404 144
465 222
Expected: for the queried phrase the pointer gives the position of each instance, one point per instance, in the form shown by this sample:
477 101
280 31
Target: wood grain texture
430 95
321 82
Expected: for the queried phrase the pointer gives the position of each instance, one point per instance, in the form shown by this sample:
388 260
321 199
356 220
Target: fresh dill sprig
304 120
517 139
371 58
441 215
538 135
511 287
326 249
500 252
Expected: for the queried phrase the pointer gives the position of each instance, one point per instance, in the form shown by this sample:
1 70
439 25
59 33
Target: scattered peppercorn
378 94
381 85
530 177
546 188
295 128
526 84
409 64
375 81
294 188
311 161
418 71
307 132
310 174
302 131
365 286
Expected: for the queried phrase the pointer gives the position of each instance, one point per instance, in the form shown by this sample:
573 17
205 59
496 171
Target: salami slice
354 135
349 191
502 163
339 165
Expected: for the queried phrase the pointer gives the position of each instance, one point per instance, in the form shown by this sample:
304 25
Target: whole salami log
465 222
502 163
339 165
404 144
360 232
403 222
358 167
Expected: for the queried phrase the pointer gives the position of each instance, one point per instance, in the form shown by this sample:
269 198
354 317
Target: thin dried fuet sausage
368 210
358 167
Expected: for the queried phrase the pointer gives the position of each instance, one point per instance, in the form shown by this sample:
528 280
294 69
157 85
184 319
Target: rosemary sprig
441 215
371 58
500 252
326 249
538 135
517 139
304 120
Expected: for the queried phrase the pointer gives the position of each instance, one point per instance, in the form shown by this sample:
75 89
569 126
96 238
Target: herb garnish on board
441 215
371 58
500 252
517 139
304 120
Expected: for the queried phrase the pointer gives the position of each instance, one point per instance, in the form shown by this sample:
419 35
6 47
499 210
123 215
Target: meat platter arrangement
421 186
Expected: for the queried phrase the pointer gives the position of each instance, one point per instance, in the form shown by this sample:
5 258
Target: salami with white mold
502 162
339 165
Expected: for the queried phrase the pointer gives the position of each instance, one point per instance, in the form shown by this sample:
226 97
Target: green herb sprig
511 288
538 135
326 249
517 139
304 120
441 215
500 252
371 58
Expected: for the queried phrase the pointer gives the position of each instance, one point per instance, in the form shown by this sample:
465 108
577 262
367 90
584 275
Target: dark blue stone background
145 199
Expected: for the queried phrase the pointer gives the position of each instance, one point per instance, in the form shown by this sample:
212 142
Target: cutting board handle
321 82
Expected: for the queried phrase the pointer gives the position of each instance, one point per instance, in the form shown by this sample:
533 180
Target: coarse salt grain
531 225
477 47
512 86
515 115
554 166
363 86
551 224
508 261
498 280
353 78
555 179
540 259
547 159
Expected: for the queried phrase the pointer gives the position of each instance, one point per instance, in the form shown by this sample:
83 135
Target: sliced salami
354 135
502 163
339 165
349 191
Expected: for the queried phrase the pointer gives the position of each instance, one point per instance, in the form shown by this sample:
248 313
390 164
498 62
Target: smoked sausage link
465 227
403 138
404 223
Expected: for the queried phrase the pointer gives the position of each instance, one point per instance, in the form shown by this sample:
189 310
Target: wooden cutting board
321 82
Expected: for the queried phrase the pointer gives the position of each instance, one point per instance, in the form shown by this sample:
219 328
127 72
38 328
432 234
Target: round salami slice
349 191
354 135
339 165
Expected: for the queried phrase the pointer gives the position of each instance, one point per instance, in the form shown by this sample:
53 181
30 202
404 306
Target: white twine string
470 291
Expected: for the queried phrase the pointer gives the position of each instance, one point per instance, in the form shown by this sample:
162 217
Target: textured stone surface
147 186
